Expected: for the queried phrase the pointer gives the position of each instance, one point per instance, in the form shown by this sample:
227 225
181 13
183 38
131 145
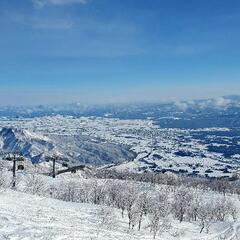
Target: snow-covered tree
181 202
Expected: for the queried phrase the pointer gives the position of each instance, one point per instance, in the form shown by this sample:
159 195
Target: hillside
26 217
76 148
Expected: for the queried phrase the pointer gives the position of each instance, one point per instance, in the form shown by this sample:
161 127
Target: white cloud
42 3
221 102
181 105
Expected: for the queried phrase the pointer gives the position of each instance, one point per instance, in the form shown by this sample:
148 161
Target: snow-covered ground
24 216
28 217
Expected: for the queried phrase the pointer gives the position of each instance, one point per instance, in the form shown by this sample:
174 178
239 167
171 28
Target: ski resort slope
28 217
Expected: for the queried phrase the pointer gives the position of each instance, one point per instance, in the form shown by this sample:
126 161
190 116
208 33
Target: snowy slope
76 148
30 144
28 217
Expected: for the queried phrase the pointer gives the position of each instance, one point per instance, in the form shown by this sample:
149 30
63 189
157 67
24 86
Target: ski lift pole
54 167
52 158
14 172
14 157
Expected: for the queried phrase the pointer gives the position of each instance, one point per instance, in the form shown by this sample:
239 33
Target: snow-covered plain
154 148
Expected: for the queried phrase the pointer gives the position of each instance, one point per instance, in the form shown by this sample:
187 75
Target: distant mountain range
216 112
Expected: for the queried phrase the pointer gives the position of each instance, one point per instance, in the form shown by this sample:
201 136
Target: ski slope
28 217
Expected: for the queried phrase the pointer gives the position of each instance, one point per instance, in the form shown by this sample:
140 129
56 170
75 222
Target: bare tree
120 200
205 216
159 210
142 207
97 191
194 206
106 217
112 190
35 184
224 208
70 192
182 200
5 178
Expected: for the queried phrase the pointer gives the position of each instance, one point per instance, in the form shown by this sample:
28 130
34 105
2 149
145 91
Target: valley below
135 145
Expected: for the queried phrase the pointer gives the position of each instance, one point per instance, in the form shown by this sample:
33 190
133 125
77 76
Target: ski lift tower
14 158
53 158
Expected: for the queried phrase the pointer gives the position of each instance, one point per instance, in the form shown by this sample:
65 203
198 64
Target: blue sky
94 51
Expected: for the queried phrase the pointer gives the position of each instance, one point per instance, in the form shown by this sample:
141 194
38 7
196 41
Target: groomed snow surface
27 217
